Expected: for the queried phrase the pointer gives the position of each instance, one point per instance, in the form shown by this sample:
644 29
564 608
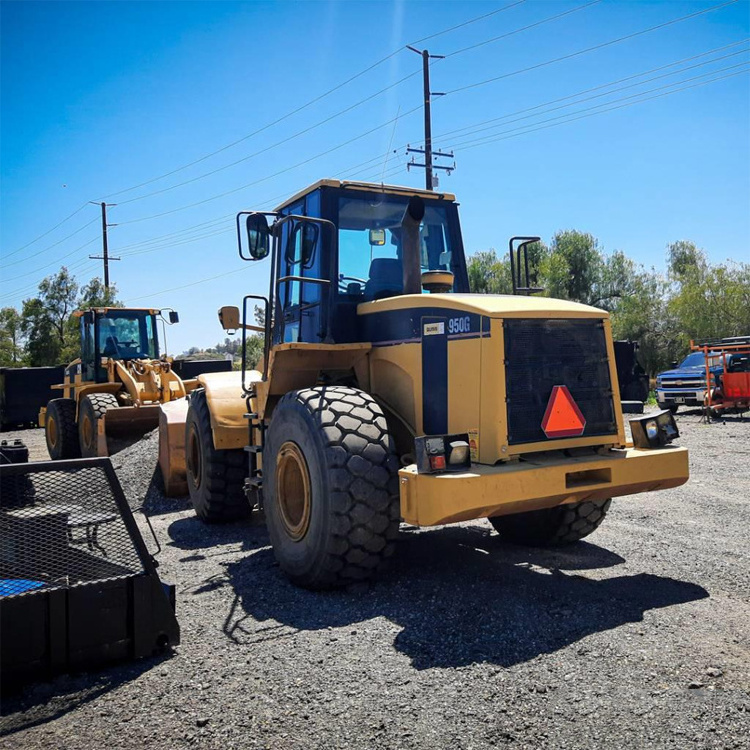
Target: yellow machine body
505 478
139 385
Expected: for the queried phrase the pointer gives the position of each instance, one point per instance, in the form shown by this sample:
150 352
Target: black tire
336 440
553 527
91 410
60 429
215 478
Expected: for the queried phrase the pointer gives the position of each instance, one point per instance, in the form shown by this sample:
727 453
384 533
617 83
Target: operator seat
111 348
386 278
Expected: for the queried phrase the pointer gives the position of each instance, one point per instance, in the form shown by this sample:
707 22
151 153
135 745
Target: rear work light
654 430
440 453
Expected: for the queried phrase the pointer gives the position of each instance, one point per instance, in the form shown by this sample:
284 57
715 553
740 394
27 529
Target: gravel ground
637 638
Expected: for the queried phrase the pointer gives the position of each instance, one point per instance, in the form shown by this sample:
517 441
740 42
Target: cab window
370 255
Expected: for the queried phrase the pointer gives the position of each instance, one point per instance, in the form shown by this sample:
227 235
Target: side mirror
229 318
258 236
173 317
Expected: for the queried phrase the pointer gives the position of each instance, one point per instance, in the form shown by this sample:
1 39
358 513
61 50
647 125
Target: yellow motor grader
115 387
389 392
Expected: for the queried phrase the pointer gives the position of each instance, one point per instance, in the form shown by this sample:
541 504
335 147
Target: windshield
370 265
127 335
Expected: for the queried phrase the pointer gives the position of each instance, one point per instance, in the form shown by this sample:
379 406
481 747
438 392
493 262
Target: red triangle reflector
562 418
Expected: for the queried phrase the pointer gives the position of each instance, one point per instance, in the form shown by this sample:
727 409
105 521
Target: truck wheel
330 486
60 429
92 409
215 478
553 527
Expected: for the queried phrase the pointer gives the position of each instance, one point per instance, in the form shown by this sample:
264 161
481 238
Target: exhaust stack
412 267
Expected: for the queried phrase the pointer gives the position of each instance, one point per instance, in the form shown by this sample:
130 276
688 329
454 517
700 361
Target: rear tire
92 409
553 527
330 486
215 478
60 429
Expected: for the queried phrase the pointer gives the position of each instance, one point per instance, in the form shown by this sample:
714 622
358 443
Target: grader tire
552 527
330 486
92 409
60 429
215 478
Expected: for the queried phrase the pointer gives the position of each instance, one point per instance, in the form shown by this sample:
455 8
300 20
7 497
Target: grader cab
388 392
115 387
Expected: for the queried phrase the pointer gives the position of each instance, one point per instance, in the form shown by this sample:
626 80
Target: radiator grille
540 354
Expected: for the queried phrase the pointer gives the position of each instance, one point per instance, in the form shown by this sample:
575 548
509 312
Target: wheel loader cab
116 334
338 245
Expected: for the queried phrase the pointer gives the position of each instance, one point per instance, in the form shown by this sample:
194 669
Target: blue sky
100 97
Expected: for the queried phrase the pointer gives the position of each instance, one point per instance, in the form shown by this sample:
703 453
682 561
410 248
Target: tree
11 338
94 294
43 346
58 296
576 266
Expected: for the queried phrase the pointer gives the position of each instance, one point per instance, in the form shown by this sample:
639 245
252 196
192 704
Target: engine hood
490 305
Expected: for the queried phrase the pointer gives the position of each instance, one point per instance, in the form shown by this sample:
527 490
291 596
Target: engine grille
540 354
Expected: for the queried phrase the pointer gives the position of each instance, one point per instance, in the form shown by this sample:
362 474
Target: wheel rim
193 454
52 431
87 430
293 495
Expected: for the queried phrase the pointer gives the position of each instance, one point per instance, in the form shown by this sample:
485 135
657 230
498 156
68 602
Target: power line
310 103
524 28
59 242
44 234
274 145
591 49
608 93
531 128
54 262
275 174
606 85
467 23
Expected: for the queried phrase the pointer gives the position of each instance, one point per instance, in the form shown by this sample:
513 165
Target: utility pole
105 249
430 180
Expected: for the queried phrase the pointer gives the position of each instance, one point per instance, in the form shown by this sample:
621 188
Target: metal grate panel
62 525
540 354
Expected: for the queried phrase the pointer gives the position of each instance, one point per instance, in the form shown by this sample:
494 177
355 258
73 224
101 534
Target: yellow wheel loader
115 387
389 392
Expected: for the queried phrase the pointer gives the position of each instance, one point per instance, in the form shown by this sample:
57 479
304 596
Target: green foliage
694 300
44 333
12 352
94 294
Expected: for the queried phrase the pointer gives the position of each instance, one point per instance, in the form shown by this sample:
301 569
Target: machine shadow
42 702
461 597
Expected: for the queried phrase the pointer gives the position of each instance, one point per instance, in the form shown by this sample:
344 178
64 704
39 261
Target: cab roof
375 187
105 310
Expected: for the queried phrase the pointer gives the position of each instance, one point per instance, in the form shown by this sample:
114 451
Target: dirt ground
637 637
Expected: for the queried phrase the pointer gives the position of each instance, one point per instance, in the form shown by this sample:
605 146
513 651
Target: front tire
215 478
553 527
92 409
60 429
330 486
